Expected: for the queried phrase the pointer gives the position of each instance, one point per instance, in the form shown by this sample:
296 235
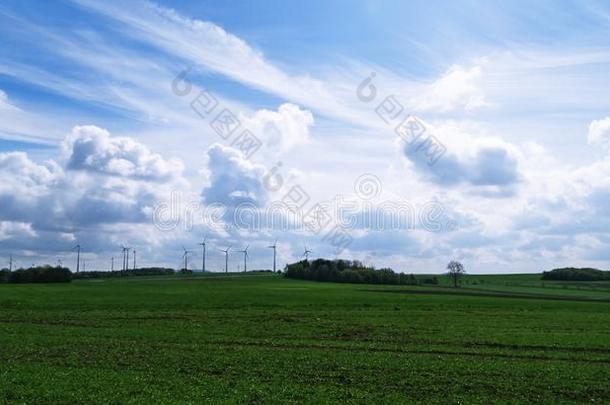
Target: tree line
39 274
576 274
350 271
144 271
58 274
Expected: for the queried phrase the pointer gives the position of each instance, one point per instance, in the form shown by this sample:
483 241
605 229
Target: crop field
268 339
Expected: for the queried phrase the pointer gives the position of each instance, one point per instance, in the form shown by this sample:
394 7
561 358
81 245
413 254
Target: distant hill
576 274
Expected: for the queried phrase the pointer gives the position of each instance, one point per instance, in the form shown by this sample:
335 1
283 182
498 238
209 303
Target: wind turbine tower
245 252
274 247
186 258
226 251
77 247
125 257
123 252
202 244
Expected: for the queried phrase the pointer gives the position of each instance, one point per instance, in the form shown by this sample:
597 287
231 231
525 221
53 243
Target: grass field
264 338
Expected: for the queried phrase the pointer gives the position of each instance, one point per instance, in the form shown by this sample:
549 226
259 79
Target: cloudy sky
400 134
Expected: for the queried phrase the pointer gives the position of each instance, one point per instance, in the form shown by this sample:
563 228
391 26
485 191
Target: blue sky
95 144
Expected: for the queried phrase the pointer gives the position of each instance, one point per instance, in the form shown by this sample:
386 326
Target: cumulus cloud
19 170
233 179
599 132
27 189
568 211
458 88
41 203
489 165
10 230
282 129
92 148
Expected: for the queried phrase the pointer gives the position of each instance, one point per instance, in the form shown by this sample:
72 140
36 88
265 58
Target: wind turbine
306 253
226 251
125 251
245 252
202 244
134 259
112 264
274 246
186 257
10 263
77 247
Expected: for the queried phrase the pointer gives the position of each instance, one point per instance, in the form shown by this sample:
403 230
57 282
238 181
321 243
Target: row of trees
343 271
349 271
576 274
40 274
58 274
144 271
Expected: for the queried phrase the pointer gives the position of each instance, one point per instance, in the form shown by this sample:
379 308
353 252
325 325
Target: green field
267 339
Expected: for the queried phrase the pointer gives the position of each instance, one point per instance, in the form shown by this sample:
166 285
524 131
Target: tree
456 270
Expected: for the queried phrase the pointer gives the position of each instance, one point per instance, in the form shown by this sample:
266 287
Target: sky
400 134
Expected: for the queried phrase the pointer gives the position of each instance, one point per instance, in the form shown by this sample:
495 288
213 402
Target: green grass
266 339
532 283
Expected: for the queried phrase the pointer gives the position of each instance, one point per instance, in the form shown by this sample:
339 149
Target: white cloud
484 163
25 177
3 99
233 179
599 131
458 88
6 106
42 203
10 230
283 129
91 148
